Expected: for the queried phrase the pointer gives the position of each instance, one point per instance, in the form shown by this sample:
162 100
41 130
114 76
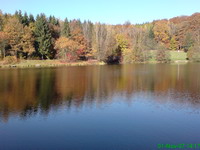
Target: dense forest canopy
24 36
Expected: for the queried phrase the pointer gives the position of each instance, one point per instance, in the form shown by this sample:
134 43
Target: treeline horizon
23 36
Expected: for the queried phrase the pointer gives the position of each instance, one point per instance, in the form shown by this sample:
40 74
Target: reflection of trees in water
29 91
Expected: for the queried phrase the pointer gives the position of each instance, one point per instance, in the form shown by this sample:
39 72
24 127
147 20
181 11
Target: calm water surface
119 107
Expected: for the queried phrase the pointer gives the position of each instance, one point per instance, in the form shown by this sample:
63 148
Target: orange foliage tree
67 49
78 36
3 43
27 41
161 32
14 30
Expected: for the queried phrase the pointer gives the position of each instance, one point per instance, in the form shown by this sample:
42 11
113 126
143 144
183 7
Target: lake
111 107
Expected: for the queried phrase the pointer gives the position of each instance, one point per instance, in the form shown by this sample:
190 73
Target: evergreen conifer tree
66 29
31 18
43 37
19 16
25 19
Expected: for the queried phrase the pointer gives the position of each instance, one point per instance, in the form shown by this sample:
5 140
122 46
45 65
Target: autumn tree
172 29
14 30
150 31
3 43
139 48
188 42
1 21
111 53
54 27
161 32
124 49
100 34
173 44
88 29
194 51
67 49
162 54
27 41
43 37
78 36
149 43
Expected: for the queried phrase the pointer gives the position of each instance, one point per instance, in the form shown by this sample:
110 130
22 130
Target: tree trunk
4 53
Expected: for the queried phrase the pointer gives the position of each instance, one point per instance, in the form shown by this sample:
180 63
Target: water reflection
25 92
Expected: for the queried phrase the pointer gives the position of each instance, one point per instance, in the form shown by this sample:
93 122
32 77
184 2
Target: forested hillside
23 36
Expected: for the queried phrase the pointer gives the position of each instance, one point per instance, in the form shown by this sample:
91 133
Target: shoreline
58 63
48 63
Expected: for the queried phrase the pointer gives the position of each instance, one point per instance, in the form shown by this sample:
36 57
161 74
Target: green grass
153 56
175 55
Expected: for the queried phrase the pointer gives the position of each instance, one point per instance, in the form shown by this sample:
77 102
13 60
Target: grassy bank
175 56
178 55
47 63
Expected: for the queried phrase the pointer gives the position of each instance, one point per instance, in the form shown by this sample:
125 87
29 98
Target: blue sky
105 11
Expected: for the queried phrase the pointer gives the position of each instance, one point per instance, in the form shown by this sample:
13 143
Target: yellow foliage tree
173 44
127 55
